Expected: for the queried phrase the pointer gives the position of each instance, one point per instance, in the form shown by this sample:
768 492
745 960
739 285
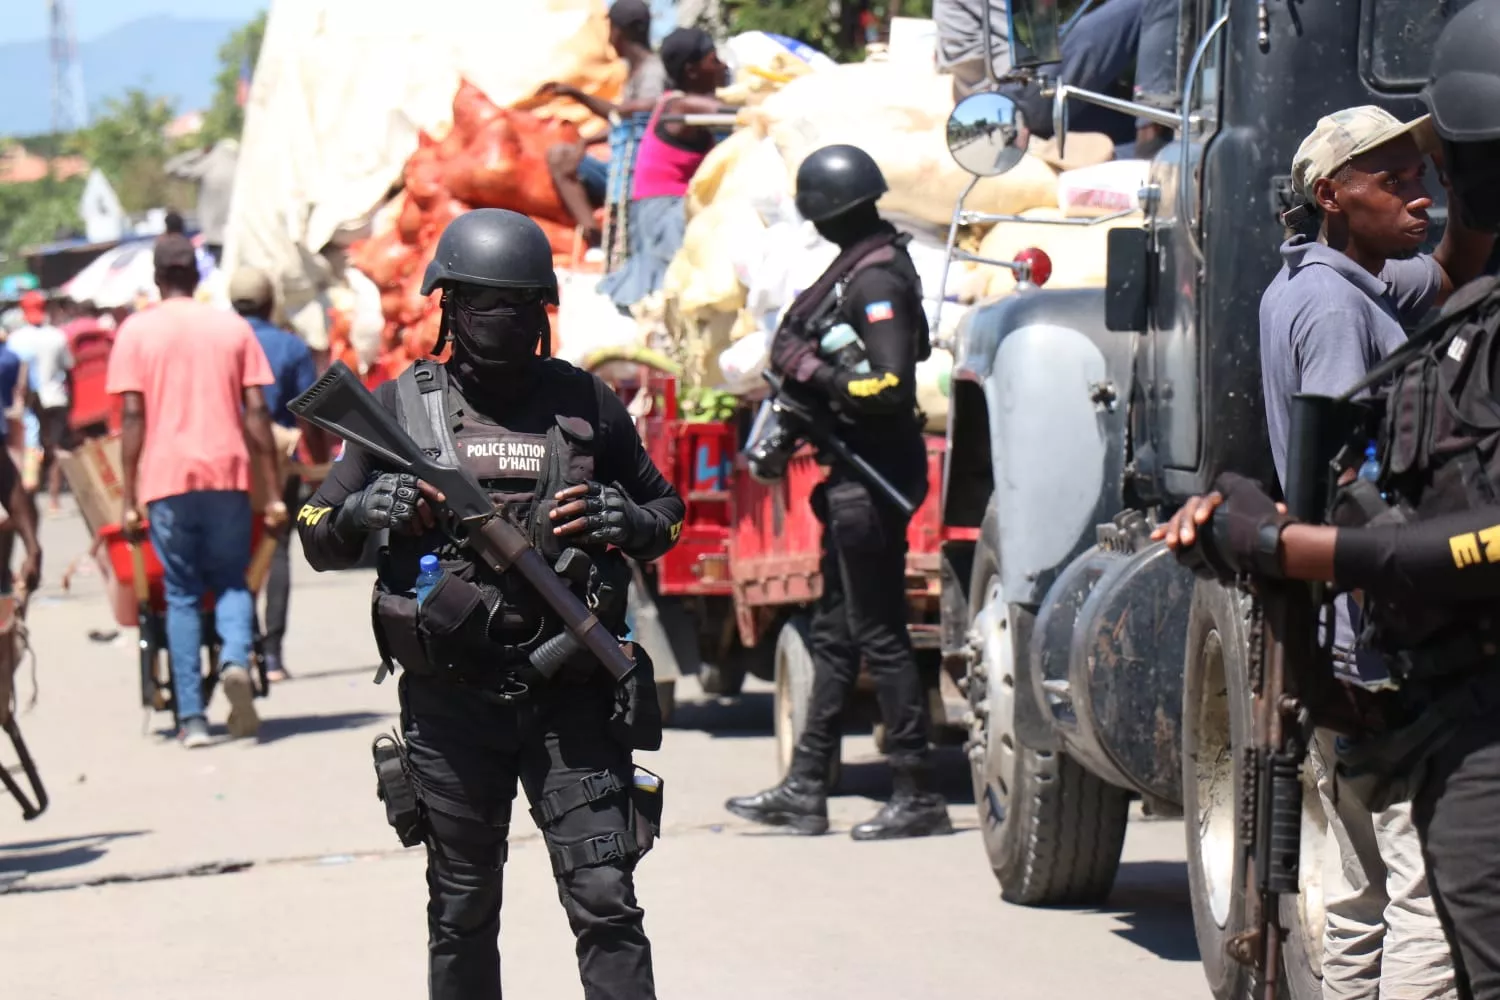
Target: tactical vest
1439 450
522 471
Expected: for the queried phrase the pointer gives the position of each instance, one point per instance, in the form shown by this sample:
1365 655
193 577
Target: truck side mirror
1127 283
1034 33
987 134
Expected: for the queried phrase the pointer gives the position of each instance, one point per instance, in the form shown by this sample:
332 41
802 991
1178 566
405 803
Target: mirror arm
958 214
974 218
1013 266
1159 116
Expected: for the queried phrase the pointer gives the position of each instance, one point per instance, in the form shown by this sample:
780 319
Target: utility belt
406 812
476 632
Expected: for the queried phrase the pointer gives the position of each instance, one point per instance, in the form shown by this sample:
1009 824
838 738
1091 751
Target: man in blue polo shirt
292 367
1342 302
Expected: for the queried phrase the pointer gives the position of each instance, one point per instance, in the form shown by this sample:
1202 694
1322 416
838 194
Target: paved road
301 891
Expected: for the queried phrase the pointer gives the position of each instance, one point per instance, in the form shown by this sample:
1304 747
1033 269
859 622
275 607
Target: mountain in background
170 57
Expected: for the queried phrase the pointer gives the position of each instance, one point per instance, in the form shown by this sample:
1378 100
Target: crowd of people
198 389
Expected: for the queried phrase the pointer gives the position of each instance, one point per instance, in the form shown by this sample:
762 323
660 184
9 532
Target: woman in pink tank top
668 155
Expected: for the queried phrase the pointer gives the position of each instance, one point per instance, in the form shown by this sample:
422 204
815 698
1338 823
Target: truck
1098 671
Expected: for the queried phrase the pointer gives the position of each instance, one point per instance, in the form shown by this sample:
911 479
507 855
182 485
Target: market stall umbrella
117 278
125 274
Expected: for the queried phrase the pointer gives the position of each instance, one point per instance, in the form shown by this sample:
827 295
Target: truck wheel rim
994 726
1214 767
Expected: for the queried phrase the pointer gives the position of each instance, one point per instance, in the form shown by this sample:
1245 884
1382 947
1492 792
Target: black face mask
1474 170
499 336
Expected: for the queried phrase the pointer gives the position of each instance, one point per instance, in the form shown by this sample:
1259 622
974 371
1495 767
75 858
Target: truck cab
1099 671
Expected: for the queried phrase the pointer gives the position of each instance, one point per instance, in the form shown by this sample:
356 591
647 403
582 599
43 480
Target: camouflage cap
1342 136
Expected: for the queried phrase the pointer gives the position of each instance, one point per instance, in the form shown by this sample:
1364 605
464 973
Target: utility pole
69 107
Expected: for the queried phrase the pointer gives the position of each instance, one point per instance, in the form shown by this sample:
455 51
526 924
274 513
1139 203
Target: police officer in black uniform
874 289
1431 579
562 459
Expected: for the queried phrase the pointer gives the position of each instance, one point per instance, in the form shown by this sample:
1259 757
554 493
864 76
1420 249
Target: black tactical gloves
603 515
389 502
1244 536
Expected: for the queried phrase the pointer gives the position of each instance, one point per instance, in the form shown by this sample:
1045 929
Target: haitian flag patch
877 311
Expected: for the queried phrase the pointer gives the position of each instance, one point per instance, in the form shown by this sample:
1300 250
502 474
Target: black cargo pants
862 616
1457 812
466 754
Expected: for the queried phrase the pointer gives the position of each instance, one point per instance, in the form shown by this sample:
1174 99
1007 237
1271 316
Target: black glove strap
1268 548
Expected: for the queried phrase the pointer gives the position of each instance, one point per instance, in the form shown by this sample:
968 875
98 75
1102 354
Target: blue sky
27 19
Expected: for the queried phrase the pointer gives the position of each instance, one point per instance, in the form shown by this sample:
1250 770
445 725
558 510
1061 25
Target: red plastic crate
121 570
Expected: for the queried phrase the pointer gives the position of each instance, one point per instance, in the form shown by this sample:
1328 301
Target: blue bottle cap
427 564
1370 450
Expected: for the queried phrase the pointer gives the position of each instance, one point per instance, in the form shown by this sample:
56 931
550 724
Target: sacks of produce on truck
1102 189
747 167
764 63
1078 253
587 321
897 113
934 387
492 157
348 96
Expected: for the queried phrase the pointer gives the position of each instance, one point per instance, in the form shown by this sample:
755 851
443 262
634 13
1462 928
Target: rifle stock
341 405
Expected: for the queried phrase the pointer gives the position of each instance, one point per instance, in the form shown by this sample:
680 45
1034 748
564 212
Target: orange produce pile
492 158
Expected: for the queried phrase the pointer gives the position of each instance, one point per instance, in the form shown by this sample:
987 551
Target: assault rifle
1292 687
800 419
341 405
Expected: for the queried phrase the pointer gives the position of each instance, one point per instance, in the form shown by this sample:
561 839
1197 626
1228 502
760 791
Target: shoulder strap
1467 299
424 411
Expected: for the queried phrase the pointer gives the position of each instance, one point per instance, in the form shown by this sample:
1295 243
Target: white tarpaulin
341 90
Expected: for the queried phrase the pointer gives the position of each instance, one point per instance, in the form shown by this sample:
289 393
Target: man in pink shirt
191 378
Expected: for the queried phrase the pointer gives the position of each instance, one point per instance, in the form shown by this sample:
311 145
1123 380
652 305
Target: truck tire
723 680
1052 830
1216 726
794 681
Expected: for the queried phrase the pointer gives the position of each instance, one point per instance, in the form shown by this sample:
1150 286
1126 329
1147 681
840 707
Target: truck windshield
1399 36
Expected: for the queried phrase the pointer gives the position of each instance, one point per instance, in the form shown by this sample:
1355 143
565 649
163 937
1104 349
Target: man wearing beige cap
1341 302
292 372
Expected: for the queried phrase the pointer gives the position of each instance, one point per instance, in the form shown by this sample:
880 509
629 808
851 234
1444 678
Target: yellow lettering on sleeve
861 388
310 515
1465 550
1490 537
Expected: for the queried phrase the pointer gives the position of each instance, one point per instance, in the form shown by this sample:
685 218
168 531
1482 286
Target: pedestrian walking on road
293 372
49 365
192 379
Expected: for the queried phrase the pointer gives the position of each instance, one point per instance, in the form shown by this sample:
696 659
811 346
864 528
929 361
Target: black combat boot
800 801
915 809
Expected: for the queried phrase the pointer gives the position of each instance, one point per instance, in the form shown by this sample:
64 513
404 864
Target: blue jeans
593 174
203 542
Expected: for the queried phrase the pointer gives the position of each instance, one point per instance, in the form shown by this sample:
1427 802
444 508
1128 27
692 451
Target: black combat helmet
1463 94
1463 90
494 248
834 179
